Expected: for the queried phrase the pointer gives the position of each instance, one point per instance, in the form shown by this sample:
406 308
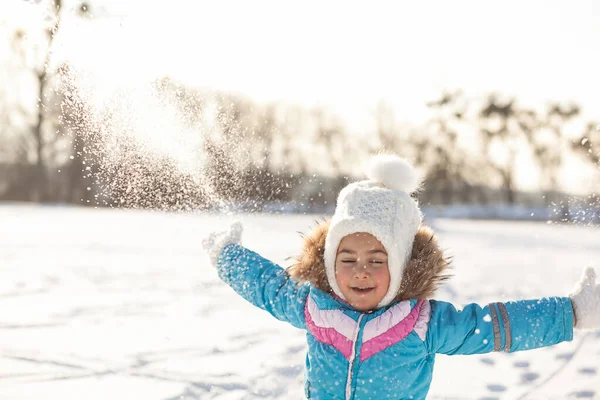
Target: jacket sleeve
263 283
508 327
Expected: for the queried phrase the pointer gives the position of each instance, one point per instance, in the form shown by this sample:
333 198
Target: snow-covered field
101 304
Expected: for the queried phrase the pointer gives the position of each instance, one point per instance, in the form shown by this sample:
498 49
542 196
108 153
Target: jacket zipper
352 358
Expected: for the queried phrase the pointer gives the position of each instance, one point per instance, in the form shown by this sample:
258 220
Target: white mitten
216 241
586 301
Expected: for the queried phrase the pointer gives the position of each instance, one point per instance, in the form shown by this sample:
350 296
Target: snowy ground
101 304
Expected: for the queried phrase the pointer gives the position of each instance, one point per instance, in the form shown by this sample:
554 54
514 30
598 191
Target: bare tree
387 132
293 127
40 188
330 134
588 144
334 140
546 138
43 123
451 170
499 127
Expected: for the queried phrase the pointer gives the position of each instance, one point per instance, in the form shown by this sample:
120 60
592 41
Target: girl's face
361 270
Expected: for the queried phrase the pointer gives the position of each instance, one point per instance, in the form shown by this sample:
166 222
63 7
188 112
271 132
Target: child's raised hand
216 241
586 301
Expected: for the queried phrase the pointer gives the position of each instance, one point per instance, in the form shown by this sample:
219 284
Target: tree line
54 145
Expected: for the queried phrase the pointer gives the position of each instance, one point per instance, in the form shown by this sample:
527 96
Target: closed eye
348 261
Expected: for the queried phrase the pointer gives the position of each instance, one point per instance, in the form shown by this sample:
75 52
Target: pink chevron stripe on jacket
391 329
331 327
335 328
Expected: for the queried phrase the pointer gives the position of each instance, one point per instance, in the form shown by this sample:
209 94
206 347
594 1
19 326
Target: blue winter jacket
388 353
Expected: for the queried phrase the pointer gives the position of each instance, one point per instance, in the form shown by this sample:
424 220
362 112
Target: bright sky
349 54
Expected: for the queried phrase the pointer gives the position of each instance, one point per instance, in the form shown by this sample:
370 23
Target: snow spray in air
151 145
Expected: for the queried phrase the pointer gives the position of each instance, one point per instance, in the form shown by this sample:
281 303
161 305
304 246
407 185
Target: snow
101 304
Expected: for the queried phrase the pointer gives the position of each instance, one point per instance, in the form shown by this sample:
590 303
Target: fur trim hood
426 270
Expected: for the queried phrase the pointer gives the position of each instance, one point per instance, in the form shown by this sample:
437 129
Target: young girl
361 290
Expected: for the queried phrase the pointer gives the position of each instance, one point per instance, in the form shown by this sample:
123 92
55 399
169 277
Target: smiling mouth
362 290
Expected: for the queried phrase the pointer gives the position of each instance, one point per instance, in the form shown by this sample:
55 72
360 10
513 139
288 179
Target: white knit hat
381 206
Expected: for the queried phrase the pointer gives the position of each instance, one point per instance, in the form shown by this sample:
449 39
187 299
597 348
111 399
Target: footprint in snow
584 394
488 361
496 388
521 364
588 371
565 356
529 377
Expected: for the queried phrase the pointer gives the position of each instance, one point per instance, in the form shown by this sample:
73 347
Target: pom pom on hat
393 172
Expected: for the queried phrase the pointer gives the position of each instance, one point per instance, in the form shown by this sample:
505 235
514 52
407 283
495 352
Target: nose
361 271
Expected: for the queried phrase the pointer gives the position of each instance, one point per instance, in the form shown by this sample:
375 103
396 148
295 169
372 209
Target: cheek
341 276
383 278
